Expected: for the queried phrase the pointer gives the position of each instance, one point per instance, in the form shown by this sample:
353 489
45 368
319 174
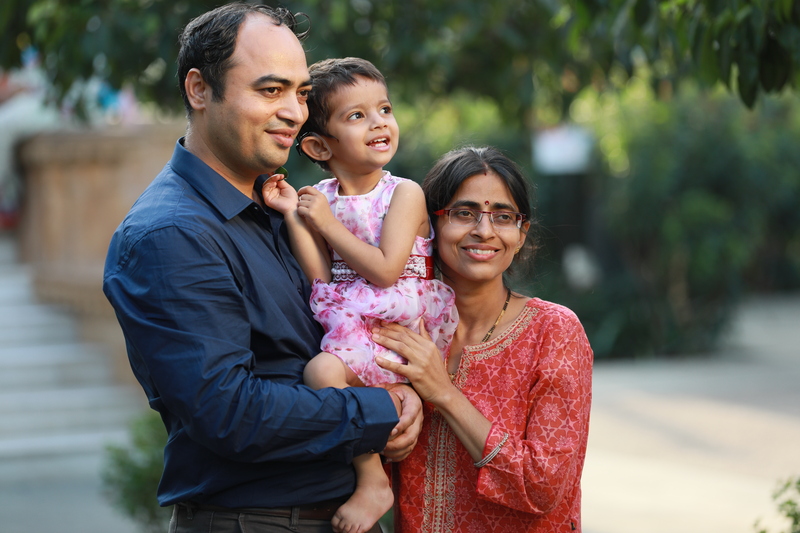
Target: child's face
363 131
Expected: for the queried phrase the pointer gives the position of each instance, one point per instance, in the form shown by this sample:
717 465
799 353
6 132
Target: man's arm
188 336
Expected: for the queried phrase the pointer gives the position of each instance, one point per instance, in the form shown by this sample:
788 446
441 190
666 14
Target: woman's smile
482 253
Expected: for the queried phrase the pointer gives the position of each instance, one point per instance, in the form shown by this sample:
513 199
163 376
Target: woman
507 413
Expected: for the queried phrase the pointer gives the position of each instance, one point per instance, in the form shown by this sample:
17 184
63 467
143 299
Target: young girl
364 238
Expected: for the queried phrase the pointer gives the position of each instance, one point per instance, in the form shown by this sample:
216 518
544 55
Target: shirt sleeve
188 341
534 471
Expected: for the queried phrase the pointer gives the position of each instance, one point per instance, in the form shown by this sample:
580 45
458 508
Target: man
214 307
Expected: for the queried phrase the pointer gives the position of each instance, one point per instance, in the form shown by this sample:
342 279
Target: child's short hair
327 77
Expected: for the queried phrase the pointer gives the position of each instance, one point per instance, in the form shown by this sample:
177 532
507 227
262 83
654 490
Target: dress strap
417 266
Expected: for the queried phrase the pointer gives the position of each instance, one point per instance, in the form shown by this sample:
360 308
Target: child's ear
316 147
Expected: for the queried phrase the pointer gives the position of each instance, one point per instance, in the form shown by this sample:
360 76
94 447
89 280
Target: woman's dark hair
456 166
208 41
327 77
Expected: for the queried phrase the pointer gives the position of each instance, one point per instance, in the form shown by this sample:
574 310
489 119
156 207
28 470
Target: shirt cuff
380 418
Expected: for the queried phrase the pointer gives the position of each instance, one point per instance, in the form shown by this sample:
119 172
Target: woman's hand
279 195
313 206
425 369
427 372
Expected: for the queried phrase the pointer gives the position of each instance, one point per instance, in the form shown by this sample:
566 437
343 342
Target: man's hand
404 435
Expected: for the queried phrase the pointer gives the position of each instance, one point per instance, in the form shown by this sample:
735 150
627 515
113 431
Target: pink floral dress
349 306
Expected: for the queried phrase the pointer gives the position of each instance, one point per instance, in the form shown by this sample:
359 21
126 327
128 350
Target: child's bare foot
364 508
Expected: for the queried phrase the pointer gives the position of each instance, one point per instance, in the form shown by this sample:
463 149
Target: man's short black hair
208 41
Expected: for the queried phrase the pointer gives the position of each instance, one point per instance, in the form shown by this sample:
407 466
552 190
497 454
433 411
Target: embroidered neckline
492 347
511 332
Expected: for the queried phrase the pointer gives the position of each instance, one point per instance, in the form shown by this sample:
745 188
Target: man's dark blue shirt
214 310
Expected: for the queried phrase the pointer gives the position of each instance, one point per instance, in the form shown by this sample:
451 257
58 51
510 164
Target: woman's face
480 253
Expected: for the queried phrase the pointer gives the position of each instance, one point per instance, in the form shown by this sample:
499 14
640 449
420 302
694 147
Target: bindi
486 202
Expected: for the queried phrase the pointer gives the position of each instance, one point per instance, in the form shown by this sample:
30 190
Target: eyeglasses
462 216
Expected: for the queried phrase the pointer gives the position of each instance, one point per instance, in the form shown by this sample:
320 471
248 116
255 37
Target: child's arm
308 246
382 265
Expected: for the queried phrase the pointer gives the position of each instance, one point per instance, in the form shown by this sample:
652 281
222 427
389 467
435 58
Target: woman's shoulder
552 313
539 324
544 324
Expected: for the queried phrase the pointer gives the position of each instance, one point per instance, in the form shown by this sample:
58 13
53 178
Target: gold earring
517 250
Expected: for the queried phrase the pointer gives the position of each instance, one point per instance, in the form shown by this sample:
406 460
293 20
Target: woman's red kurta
533 381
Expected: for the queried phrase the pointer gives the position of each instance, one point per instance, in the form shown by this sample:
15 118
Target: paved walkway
62 494
59 407
698 445
686 446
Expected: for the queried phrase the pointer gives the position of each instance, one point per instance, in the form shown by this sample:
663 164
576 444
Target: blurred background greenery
682 195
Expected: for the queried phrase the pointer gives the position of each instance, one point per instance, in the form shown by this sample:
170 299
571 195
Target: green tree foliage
693 203
524 54
125 42
752 46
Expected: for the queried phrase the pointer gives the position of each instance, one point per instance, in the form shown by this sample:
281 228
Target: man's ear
197 90
316 147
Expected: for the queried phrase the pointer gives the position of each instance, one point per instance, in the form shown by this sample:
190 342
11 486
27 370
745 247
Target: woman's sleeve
534 471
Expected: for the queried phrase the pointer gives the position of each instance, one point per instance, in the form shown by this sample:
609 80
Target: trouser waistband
314 511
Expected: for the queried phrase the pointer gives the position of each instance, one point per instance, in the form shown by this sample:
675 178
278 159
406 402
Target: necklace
502 312
491 330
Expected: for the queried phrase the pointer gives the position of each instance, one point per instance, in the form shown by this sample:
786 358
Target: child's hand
279 195
313 206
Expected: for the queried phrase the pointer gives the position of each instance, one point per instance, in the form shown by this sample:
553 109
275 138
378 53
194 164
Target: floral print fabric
533 382
348 310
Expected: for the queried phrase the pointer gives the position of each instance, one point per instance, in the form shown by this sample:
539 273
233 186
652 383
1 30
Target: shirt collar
217 191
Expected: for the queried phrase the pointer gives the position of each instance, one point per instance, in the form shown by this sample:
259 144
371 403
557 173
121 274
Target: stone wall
78 187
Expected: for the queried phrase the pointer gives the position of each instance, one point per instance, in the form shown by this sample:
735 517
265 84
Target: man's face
250 132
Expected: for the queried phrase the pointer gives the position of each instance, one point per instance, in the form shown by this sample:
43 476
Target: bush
787 496
131 474
681 219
